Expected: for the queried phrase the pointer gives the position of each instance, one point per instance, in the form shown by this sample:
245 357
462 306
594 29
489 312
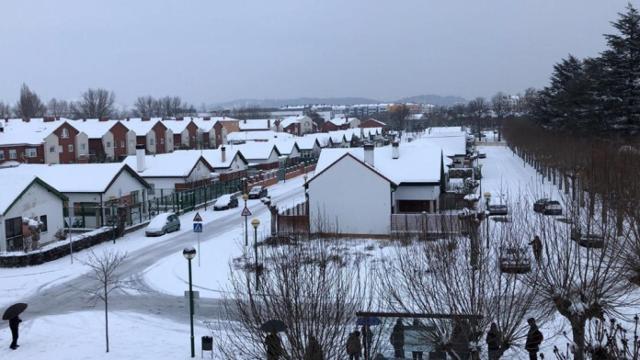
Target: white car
225 202
162 224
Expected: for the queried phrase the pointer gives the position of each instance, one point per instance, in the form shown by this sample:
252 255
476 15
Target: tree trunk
106 318
577 329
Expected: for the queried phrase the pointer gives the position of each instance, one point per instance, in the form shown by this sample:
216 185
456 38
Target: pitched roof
255 124
17 131
254 150
75 178
350 155
179 163
15 185
214 157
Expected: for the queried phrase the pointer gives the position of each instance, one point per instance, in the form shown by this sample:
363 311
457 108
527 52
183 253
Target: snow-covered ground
80 336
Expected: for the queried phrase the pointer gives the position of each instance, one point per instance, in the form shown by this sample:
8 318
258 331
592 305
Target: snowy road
66 296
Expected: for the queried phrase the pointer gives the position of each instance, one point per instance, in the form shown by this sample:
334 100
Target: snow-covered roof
307 142
255 124
177 126
17 131
179 163
73 178
339 121
13 186
451 144
254 150
258 135
140 127
323 138
94 128
285 146
291 120
214 157
417 163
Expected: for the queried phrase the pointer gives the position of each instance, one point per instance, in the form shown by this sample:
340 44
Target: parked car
257 192
482 156
499 209
552 208
514 260
225 202
538 206
162 224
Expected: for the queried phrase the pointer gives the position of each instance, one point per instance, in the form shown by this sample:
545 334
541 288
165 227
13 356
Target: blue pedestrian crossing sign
197 227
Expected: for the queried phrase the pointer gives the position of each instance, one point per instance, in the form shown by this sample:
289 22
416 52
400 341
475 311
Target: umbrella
14 310
369 321
273 326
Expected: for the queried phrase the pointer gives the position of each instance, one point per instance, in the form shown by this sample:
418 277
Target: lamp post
189 253
245 197
255 223
487 197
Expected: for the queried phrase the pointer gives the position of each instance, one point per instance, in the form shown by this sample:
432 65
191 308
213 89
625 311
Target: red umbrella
13 311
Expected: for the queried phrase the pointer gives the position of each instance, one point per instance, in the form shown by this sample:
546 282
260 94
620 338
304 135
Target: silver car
162 224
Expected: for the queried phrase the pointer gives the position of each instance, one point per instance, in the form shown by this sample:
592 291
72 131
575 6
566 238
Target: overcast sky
214 50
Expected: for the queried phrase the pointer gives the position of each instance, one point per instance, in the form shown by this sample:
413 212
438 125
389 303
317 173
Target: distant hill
276 103
434 100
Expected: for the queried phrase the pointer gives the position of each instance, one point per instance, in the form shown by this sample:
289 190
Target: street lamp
487 197
255 223
189 253
245 197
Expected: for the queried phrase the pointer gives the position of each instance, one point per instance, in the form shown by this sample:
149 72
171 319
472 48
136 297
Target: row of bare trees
93 103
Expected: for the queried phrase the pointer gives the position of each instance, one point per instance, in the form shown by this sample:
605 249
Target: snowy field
80 336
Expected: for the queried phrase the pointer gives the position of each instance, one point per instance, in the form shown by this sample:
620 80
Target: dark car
498 209
538 206
482 156
257 192
225 202
552 208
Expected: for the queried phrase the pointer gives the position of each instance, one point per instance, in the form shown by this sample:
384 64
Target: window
1 154
13 154
83 147
65 133
152 189
13 233
152 142
108 144
31 152
52 149
122 144
70 148
44 226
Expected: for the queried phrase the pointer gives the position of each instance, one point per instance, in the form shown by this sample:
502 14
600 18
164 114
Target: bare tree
29 105
94 103
313 287
104 271
146 106
58 108
478 107
5 110
583 276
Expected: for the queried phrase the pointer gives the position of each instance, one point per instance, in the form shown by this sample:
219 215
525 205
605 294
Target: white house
259 154
26 195
309 147
412 171
92 189
171 172
230 164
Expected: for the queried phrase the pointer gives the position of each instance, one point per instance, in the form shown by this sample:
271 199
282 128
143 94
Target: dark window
13 233
414 206
44 227
84 209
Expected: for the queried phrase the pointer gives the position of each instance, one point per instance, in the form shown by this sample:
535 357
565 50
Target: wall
201 172
36 201
50 157
168 141
66 156
353 196
82 147
131 142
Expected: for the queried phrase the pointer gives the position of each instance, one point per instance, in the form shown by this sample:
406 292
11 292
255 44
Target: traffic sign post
246 213
197 228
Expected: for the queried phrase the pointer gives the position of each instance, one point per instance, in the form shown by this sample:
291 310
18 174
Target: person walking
313 350
273 346
494 338
397 339
14 324
536 245
354 348
534 339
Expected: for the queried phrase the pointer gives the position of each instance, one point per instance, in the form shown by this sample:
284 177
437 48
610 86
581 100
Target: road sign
197 227
197 218
246 212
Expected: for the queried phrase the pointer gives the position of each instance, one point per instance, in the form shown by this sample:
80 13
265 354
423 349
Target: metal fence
425 225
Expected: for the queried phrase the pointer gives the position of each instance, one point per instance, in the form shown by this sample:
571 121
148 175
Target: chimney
368 154
146 119
140 154
206 118
395 150
103 118
223 154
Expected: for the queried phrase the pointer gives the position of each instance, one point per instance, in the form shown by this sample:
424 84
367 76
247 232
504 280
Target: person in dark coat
460 343
367 339
354 348
494 338
274 346
534 339
14 323
397 339
313 350
536 246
